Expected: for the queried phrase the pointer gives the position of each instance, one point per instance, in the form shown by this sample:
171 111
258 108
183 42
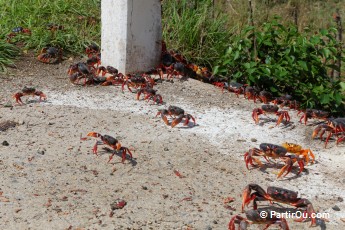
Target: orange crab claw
118 146
282 115
231 225
256 113
18 96
165 119
176 121
41 95
247 159
93 134
246 197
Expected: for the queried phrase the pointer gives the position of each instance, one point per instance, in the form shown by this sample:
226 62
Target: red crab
135 81
270 109
267 150
333 127
28 91
178 113
255 217
50 55
79 71
150 93
17 30
250 93
93 62
314 113
92 49
265 96
221 85
280 195
287 101
113 143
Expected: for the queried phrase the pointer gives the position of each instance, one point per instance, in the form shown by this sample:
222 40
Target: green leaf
303 64
237 54
315 40
215 70
342 85
325 99
273 89
266 71
251 70
323 32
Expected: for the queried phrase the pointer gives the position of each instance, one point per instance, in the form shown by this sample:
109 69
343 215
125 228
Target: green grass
80 18
194 31
8 53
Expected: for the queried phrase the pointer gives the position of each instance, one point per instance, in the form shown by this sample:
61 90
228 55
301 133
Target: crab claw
243 222
282 115
163 114
256 113
125 150
93 134
158 99
309 211
117 148
246 197
139 93
18 96
177 121
188 117
248 159
41 95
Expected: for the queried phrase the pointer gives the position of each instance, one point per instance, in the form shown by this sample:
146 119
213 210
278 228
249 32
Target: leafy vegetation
195 29
286 61
8 54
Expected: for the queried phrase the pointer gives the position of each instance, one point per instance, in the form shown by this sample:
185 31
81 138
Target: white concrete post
131 34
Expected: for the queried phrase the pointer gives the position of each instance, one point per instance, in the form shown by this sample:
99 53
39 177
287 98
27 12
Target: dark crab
267 150
334 126
256 217
277 194
314 113
112 142
50 55
178 114
270 109
29 91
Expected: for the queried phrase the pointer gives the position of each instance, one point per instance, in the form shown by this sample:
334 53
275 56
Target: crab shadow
278 166
133 161
35 101
189 126
265 120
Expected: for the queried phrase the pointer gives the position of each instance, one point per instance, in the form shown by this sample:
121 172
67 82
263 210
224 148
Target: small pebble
253 140
166 149
42 152
336 208
340 199
5 143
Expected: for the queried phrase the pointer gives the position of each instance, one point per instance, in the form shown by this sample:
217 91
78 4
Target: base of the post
131 34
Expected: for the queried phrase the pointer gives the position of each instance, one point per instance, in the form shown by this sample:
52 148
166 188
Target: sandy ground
50 179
